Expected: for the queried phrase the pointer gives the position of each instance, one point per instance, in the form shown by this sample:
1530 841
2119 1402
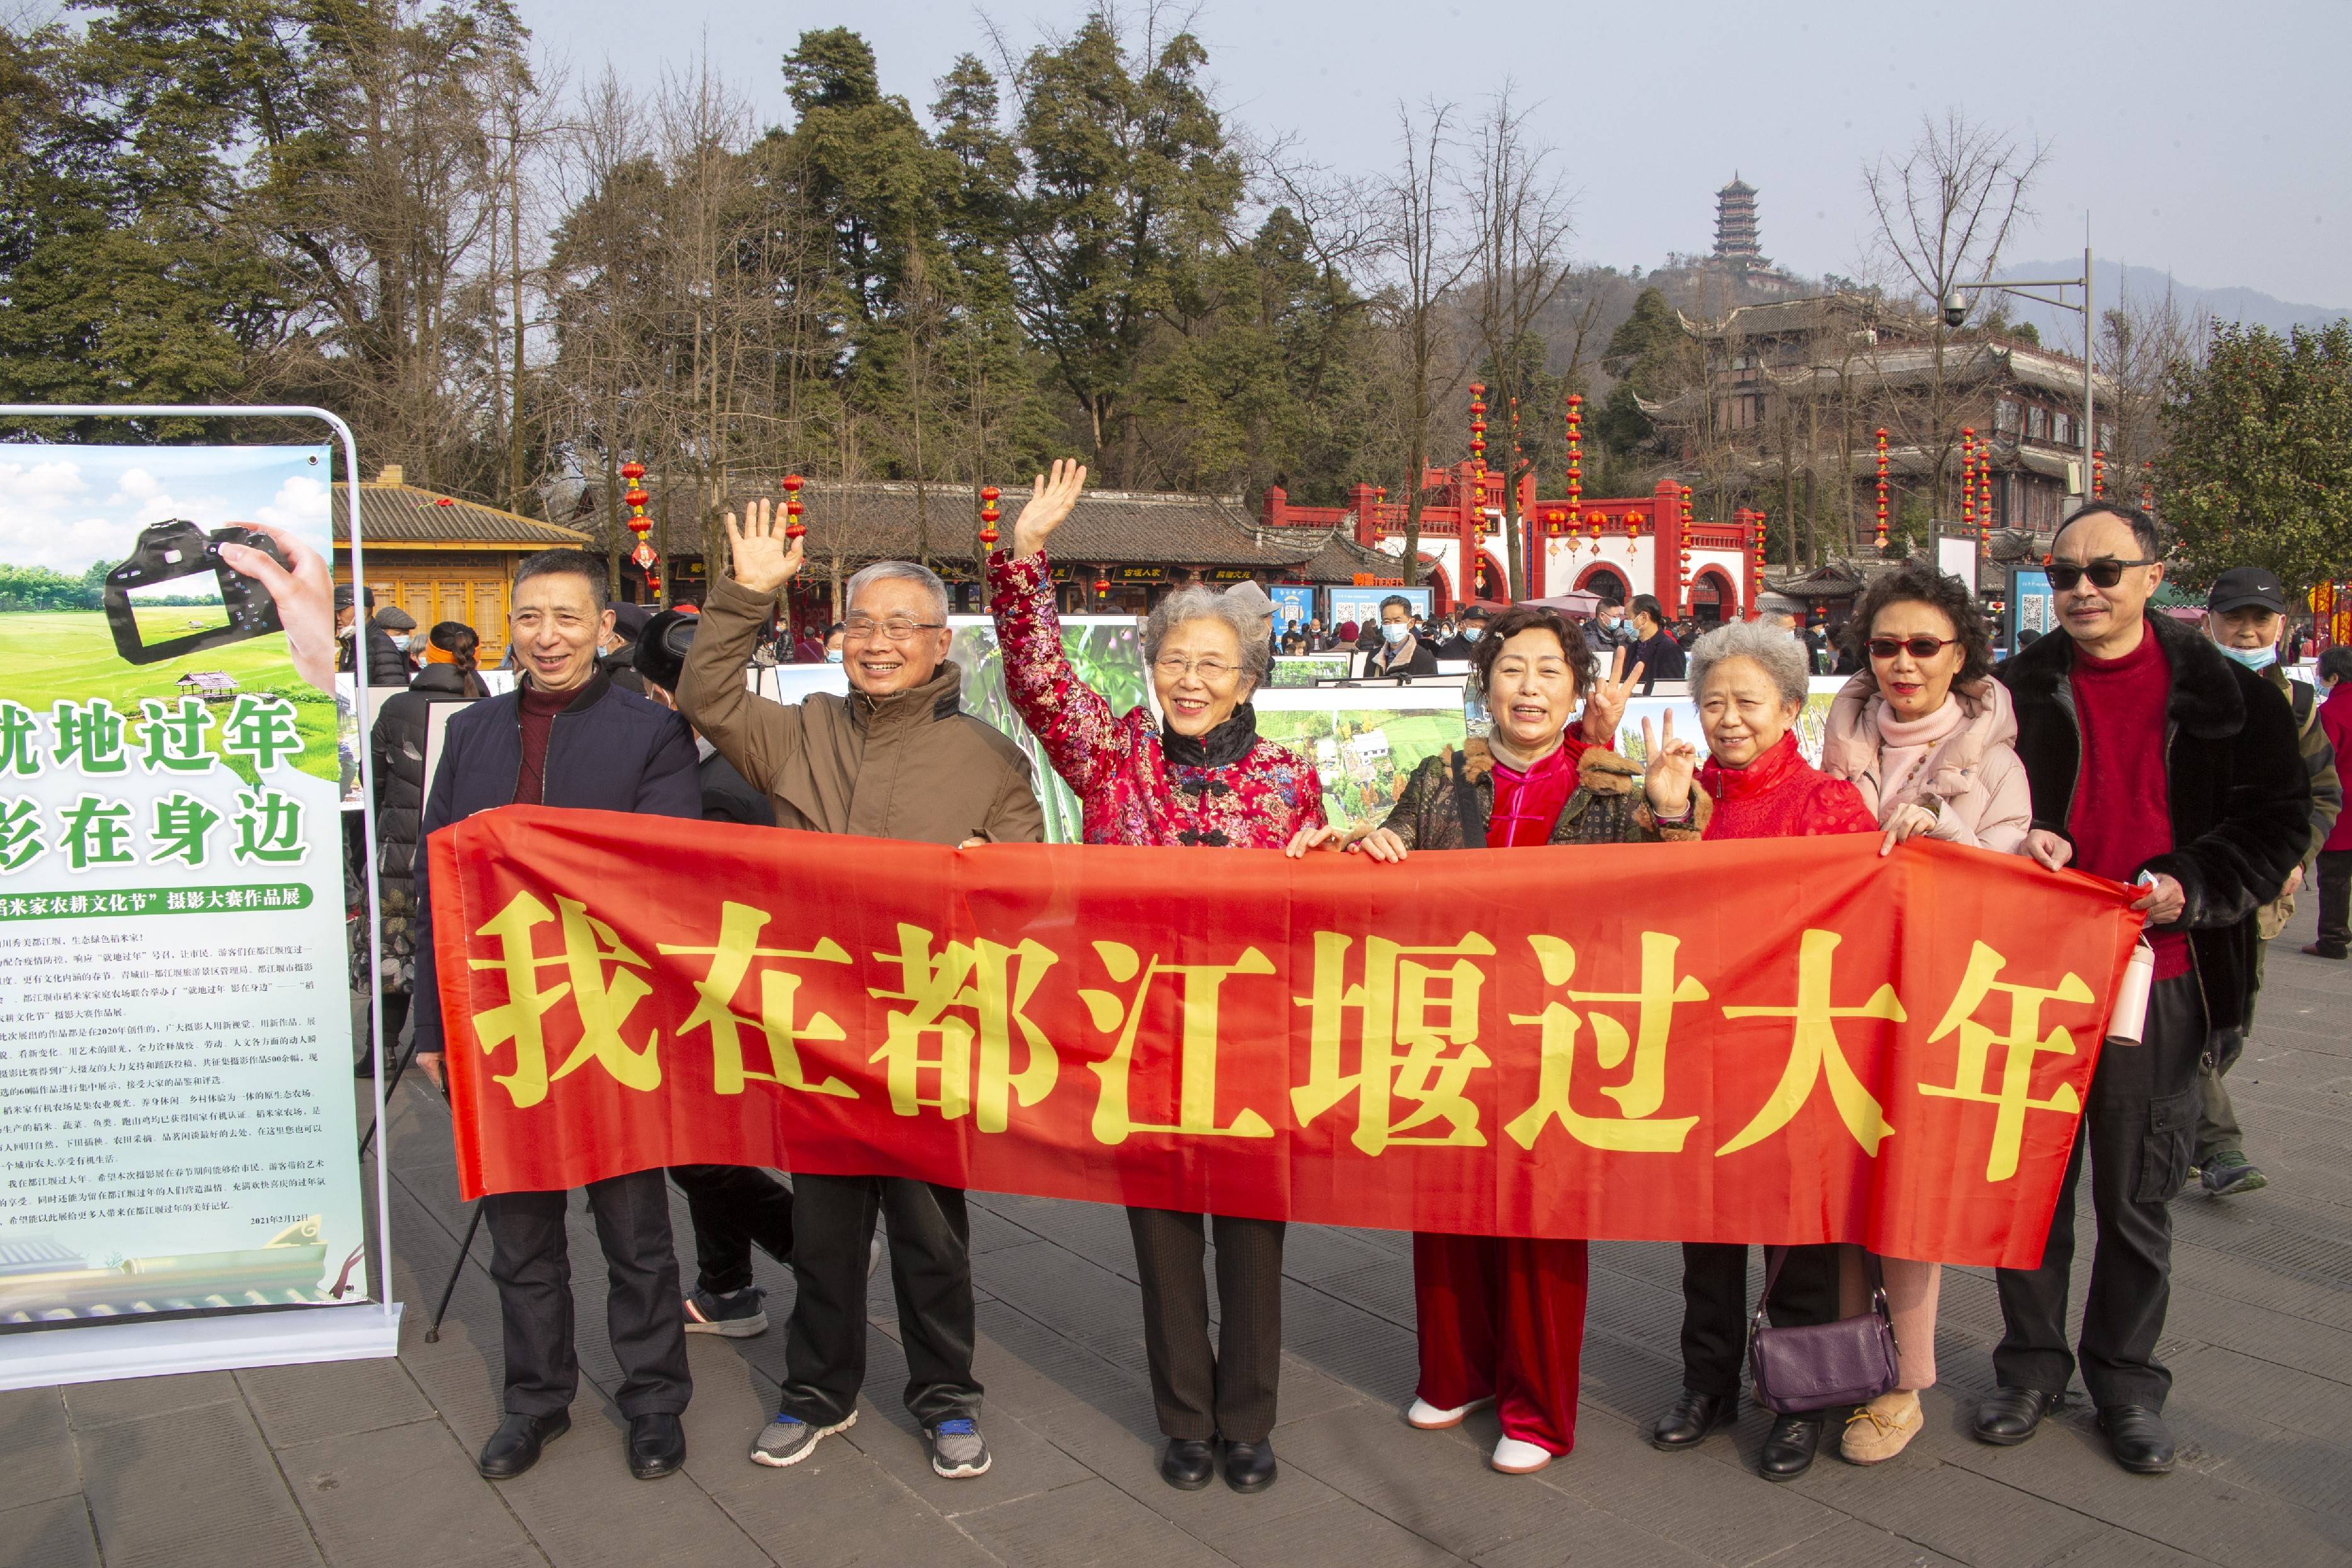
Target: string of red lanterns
1478 458
1882 489
1968 478
989 515
1984 488
2098 474
1682 580
793 529
1575 463
640 525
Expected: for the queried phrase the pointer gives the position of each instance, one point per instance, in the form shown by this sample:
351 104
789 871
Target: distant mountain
2145 285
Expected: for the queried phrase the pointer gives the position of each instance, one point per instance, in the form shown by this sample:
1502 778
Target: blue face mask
2252 657
1395 632
832 656
1472 634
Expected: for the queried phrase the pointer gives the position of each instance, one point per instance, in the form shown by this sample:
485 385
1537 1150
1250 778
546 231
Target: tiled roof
402 514
877 522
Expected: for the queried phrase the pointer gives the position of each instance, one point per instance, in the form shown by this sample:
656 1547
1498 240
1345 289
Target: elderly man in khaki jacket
897 758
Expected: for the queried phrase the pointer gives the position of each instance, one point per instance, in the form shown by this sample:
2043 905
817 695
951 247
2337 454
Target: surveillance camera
1955 307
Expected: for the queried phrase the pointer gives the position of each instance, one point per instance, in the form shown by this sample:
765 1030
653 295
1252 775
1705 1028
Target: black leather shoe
2012 1415
514 1447
1691 1417
1187 1464
1790 1447
1249 1467
656 1445
2141 1441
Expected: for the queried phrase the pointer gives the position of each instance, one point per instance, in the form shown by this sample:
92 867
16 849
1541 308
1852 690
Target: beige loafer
1882 1428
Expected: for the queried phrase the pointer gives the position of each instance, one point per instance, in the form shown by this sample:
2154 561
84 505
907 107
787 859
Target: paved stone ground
369 1463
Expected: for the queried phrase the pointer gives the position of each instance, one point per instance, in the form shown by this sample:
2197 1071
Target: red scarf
1528 804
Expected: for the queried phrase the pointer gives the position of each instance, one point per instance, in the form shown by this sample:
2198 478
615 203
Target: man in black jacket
398 744
386 665
568 737
1659 656
2152 760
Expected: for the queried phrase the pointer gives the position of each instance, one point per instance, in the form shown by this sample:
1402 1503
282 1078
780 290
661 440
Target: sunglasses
2102 573
1921 647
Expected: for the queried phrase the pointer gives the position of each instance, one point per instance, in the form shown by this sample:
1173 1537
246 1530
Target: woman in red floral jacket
1198 775
1749 682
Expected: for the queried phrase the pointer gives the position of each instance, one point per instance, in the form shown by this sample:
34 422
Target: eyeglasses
1918 648
2103 574
1176 667
897 628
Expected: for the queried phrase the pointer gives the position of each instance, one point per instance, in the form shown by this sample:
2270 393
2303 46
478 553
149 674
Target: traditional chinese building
442 558
1615 547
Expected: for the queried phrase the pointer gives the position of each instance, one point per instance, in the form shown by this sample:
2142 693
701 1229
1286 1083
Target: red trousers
1503 1317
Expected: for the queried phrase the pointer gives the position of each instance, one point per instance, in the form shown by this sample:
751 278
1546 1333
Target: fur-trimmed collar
1600 770
2206 700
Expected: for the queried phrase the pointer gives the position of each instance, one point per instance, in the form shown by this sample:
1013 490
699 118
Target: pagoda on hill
1735 243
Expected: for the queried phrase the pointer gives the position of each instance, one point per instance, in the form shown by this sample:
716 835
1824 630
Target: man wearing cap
2246 614
896 758
2154 762
1464 644
386 665
399 628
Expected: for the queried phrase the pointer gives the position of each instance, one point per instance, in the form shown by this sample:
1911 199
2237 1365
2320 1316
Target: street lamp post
1956 310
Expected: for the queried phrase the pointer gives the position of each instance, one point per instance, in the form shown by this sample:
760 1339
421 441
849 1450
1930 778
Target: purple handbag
1818 1366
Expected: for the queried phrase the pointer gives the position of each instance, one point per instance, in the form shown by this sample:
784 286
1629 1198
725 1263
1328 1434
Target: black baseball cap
660 655
1474 613
2241 586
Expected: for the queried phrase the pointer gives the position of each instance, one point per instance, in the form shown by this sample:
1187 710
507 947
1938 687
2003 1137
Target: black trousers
734 1207
1715 1307
532 1262
931 1270
2335 900
2139 1129
1199 1392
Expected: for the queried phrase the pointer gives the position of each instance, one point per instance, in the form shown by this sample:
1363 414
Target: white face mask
2252 657
1472 634
400 641
1395 632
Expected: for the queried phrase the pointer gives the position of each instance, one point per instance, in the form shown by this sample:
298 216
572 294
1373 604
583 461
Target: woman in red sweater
1501 1318
1749 682
2336 855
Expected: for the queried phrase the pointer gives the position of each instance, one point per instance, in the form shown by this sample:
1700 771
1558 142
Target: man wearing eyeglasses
2152 760
897 758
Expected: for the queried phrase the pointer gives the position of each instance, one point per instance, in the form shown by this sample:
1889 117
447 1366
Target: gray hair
1782 657
903 572
1199 604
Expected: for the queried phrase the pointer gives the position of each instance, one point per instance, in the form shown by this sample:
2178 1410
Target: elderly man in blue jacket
568 736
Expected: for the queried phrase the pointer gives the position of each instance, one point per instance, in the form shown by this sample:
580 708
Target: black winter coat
387 665
398 744
2240 795
609 750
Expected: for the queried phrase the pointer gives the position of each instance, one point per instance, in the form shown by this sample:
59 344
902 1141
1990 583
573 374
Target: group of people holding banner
2130 748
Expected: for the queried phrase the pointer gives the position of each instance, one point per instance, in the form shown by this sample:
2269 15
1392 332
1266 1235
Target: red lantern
988 495
1102 586
2098 474
792 509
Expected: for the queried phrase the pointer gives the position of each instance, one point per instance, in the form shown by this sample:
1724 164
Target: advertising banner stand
111 1289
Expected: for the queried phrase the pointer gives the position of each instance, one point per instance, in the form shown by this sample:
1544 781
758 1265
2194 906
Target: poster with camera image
175 1127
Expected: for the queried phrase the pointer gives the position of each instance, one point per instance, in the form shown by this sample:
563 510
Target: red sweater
1782 796
539 712
2122 814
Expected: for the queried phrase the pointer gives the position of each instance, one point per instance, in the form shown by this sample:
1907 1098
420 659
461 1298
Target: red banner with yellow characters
1779 1041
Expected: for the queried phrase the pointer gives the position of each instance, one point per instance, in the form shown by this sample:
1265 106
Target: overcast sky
2214 141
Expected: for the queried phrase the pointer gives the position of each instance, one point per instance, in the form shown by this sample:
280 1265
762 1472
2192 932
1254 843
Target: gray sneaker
788 1439
958 1450
2229 1174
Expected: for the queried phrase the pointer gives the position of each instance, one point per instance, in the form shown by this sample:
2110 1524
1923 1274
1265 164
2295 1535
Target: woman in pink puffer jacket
1928 736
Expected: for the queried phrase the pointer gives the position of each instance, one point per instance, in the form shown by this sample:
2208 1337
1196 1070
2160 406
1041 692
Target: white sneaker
1428 1417
1514 1458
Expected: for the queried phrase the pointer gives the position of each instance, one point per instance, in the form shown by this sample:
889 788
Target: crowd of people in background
2185 763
